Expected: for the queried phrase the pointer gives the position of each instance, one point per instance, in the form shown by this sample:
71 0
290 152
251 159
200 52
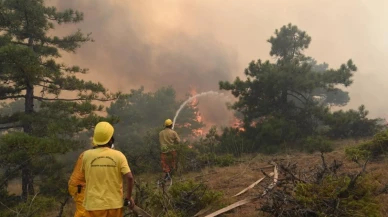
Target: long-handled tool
139 211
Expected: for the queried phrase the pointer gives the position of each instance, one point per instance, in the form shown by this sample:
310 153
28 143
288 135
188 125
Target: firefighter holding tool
104 169
167 138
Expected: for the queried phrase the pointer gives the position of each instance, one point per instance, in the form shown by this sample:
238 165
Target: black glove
126 202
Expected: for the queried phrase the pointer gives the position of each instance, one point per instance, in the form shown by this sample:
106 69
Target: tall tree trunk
284 100
27 176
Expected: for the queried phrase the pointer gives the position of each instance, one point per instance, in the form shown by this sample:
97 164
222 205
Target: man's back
104 168
168 137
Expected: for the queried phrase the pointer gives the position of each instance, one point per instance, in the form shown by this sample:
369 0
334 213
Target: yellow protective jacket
76 187
167 138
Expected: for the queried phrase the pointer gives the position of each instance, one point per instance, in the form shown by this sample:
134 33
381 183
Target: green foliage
373 149
357 201
289 42
286 101
228 141
356 154
35 206
38 123
140 113
351 124
323 190
211 159
232 141
334 96
182 199
317 143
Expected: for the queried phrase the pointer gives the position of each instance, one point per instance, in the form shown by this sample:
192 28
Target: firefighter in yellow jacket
167 138
76 187
104 169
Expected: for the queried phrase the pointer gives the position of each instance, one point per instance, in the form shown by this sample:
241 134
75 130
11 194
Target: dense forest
47 114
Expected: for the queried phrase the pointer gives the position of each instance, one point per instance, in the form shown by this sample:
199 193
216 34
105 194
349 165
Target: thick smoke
196 43
132 50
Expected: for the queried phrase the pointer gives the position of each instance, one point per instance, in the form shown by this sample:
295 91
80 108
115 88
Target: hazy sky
185 42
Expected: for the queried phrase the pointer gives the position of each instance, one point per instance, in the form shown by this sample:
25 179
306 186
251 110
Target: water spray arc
190 99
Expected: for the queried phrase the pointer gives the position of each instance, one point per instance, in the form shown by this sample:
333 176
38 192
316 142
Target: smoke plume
186 43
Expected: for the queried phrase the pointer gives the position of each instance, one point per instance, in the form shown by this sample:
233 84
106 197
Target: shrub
358 201
182 199
375 148
35 206
317 143
352 124
323 190
231 141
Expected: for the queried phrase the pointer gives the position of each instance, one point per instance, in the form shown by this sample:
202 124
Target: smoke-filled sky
186 43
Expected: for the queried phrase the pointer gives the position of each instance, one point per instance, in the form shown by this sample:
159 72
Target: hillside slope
231 180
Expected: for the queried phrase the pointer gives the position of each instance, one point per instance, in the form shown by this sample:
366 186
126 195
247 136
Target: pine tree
30 71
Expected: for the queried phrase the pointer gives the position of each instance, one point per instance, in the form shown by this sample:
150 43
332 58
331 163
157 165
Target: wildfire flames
238 123
194 103
235 123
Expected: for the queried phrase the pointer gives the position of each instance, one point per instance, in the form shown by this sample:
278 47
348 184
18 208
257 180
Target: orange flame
238 123
235 123
193 91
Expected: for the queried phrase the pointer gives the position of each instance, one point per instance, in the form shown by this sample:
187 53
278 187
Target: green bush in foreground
180 200
35 206
324 190
357 201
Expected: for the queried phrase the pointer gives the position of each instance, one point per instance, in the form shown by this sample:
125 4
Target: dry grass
15 187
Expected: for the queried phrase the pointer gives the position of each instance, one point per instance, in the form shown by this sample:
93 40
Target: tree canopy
294 91
31 72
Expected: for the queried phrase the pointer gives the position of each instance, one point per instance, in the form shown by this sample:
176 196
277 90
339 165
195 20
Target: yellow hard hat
103 132
168 122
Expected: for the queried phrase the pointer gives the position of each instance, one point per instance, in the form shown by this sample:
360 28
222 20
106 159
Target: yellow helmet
168 122
103 132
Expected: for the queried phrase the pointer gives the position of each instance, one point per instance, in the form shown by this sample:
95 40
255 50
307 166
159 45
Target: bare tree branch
303 102
300 94
74 99
12 97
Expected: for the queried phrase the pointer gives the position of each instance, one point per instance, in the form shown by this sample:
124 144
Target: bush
232 141
358 201
182 199
375 148
317 143
35 206
352 124
323 190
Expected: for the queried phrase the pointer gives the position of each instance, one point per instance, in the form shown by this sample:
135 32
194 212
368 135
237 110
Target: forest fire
234 121
194 103
238 123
